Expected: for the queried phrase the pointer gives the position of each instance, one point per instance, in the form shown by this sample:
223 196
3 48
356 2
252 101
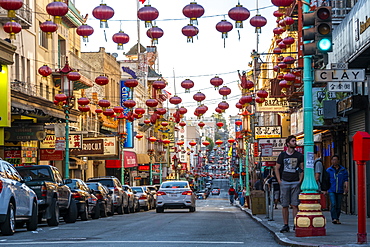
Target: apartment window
28 76
41 90
43 40
62 51
47 93
23 67
16 65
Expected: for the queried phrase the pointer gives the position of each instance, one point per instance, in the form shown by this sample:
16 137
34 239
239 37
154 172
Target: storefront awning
143 159
130 160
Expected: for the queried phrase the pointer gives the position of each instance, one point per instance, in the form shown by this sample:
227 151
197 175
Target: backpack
325 178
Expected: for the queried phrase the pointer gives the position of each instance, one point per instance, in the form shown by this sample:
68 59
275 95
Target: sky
199 61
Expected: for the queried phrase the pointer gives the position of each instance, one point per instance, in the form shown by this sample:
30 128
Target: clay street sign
350 75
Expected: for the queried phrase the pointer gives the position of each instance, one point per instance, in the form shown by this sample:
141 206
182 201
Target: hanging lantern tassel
155 41
104 24
190 39
258 30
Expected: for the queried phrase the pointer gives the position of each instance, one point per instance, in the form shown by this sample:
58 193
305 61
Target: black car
87 203
104 196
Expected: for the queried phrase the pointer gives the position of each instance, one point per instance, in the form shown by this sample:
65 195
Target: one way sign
344 75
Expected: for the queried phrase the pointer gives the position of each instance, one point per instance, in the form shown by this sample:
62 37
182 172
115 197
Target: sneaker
284 229
334 222
338 222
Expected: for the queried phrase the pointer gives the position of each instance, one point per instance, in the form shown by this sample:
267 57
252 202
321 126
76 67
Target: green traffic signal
324 45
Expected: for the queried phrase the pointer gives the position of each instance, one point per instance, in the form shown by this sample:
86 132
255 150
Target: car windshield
106 182
72 185
36 174
174 185
138 189
93 186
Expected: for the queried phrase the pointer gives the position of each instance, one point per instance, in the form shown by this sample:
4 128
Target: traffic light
317 32
323 24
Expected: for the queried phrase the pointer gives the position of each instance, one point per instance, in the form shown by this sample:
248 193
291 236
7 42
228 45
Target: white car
18 203
175 195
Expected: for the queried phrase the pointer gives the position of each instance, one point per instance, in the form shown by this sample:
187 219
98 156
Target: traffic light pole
309 220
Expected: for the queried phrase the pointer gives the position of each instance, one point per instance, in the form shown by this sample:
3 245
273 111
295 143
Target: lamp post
122 137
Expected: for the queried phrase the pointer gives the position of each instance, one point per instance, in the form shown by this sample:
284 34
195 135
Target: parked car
133 199
54 196
18 203
87 203
120 197
202 194
104 196
152 190
215 191
175 194
143 198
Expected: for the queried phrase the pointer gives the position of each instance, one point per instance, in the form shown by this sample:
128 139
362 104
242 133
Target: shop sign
277 143
266 149
89 146
51 154
24 132
273 105
265 159
267 132
137 178
75 141
28 160
5 98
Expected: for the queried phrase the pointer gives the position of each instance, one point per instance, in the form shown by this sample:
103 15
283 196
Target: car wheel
54 219
120 209
85 214
32 222
192 209
146 208
137 207
8 227
132 209
111 213
103 211
159 210
127 209
95 215
72 213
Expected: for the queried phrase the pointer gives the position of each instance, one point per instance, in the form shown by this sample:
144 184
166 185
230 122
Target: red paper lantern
187 84
85 31
60 97
282 45
278 30
148 14
193 11
277 41
260 100
278 14
83 101
183 110
48 27
73 76
282 3
103 13
247 84
199 97
104 103
84 108
219 110
166 141
120 39
238 122
258 21
223 105
206 143
277 50
224 27
284 84
139 136
101 80
200 110
154 33
231 141
288 21
131 83
57 9
147 121
98 111
175 100
129 103
139 111
289 77
182 124
12 28
190 31
276 68
245 99
239 14
161 111
262 94
151 102
289 60
180 143
11 6
164 124
158 85
45 70
108 112
224 91
280 76
218 142
201 125
239 105
118 109
216 82
192 143
152 139
282 65
288 40
220 124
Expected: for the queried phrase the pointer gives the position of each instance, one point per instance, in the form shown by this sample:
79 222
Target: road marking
118 242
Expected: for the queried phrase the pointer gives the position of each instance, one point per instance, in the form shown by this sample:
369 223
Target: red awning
130 161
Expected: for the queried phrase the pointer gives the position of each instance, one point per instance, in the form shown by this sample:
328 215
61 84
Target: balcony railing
23 16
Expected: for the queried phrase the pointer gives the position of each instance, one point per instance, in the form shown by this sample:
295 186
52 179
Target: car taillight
115 189
76 195
99 196
43 191
1 186
187 193
161 193
143 197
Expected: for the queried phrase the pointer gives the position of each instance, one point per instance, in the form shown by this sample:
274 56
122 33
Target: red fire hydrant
361 154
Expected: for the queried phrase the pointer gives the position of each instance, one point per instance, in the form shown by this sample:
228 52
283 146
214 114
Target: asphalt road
215 223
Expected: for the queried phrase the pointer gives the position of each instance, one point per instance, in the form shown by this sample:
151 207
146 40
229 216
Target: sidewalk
336 235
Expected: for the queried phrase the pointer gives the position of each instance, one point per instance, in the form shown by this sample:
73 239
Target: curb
280 238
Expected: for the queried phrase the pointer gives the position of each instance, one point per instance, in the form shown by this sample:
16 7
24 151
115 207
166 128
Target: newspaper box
258 202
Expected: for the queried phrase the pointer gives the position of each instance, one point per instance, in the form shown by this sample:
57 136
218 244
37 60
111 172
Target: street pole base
309 221
361 238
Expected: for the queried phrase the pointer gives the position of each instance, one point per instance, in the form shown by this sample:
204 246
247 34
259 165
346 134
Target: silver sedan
175 195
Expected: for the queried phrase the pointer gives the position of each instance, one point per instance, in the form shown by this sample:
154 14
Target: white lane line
118 242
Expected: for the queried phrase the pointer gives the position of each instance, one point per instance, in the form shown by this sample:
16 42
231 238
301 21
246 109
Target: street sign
343 75
264 159
339 65
266 149
267 132
277 143
338 86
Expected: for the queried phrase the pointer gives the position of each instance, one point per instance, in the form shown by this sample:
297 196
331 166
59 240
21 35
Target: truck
54 197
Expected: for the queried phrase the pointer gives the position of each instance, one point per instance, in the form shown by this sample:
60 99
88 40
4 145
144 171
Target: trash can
258 202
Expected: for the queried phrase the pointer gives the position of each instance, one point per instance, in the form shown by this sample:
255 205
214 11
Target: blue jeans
335 204
231 198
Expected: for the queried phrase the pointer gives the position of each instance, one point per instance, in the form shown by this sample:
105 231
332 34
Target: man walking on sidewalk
289 173
232 193
338 185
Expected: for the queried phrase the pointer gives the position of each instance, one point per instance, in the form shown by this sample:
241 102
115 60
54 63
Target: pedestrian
258 185
289 174
242 196
232 193
319 172
273 183
338 186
